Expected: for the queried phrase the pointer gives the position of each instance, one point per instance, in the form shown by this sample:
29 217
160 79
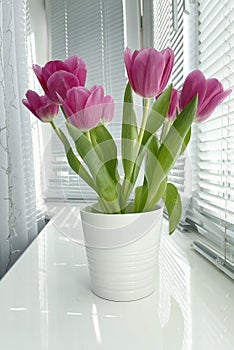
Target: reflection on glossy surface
96 324
46 302
174 295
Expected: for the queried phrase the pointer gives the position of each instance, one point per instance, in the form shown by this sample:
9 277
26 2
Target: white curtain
18 215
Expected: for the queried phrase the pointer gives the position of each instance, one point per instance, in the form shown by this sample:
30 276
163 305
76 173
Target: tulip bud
210 94
149 70
41 106
57 77
83 107
174 104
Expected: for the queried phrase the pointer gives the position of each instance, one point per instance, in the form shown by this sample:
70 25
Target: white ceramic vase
122 252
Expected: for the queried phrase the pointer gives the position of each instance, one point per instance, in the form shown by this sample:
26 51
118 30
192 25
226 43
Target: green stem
127 185
144 120
56 130
165 130
87 133
77 166
62 109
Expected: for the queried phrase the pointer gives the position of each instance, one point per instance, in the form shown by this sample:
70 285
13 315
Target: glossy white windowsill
46 302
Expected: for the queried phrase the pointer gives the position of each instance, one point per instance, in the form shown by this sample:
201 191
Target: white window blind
93 30
212 207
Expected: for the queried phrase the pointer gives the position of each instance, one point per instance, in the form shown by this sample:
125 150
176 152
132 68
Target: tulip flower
210 94
57 77
174 104
84 107
149 70
40 106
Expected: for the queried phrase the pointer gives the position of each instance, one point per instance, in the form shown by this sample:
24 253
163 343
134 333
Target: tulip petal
128 63
213 103
213 88
74 105
76 99
27 104
81 74
195 83
59 83
174 104
34 99
93 108
77 66
93 87
38 71
168 55
52 67
96 97
108 109
73 62
48 112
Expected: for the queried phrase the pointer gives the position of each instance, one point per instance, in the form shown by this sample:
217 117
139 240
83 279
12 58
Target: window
205 41
212 208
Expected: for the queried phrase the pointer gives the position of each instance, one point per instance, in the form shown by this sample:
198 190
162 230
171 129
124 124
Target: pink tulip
174 104
57 77
40 106
108 109
84 107
149 70
210 94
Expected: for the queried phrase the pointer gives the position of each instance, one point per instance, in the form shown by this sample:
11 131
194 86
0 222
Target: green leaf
140 158
174 207
170 149
128 184
158 114
74 162
105 185
141 194
186 141
172 145
106 149
129 133
158 194
152 164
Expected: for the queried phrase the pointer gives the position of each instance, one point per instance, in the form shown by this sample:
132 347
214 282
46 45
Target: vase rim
88 209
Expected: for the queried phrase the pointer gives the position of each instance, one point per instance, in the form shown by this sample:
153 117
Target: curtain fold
17 185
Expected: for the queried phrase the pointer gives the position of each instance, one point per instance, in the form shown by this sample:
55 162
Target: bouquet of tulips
88 111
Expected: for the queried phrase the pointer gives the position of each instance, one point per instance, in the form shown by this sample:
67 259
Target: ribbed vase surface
122 252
